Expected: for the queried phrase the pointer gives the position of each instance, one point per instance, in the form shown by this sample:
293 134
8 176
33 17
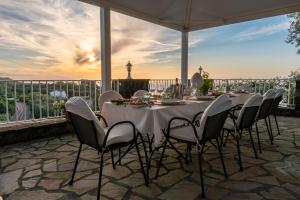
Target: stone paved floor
41 169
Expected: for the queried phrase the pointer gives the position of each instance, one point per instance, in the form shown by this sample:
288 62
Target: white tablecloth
153 119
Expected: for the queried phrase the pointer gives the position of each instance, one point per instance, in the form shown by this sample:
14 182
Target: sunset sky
60 39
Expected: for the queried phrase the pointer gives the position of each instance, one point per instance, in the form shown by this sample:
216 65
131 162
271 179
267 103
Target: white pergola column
105 48
184 57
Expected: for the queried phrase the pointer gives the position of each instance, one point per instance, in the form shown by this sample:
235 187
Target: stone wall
15 132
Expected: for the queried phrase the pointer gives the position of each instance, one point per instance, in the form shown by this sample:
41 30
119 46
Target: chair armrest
99 116
196 116
117 124
182 119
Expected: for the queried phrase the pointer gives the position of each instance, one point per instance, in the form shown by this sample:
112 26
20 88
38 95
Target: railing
259 86
248 85
38 99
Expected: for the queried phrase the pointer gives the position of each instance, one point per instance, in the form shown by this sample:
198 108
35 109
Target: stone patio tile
207 180
9 181
67 148
22 163
216 193
30 183
171 178
50 184
33 167
182 190
37 195
32 173
293 188
7 161
277 193
113 191
151 191
91 197
283 176
118 173
243 196
231 166
271 180
58 175
243 186
133 180
50 166
248 173
82 186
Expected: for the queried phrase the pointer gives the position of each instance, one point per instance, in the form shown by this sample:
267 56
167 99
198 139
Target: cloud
47 38
262 31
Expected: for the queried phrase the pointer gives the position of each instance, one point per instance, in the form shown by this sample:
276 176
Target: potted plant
207 84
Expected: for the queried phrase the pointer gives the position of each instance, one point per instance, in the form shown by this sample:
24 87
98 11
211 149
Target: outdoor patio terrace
41 169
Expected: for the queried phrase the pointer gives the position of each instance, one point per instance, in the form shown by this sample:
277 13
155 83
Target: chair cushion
229 125
185 133
119 134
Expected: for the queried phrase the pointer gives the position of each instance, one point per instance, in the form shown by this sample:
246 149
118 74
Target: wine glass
160 89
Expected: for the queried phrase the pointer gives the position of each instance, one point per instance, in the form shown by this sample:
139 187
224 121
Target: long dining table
151 119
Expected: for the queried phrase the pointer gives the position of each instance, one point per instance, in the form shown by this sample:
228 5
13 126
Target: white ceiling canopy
191 15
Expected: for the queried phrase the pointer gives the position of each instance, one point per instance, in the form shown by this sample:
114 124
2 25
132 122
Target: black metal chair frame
263 114
93 142
273 112
200 143
247 120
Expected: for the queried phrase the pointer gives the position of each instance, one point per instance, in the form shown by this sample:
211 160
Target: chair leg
270 125
100 176
212 144
178 152
112 159
190 152
239 152
76 163
141 162
226 139
187 153
200 150
221 156
252 142
270 137
120 156
149 143
160 159
258 139
275 117
222 137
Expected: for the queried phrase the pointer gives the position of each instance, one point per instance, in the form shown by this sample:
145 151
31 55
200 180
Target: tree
294 30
